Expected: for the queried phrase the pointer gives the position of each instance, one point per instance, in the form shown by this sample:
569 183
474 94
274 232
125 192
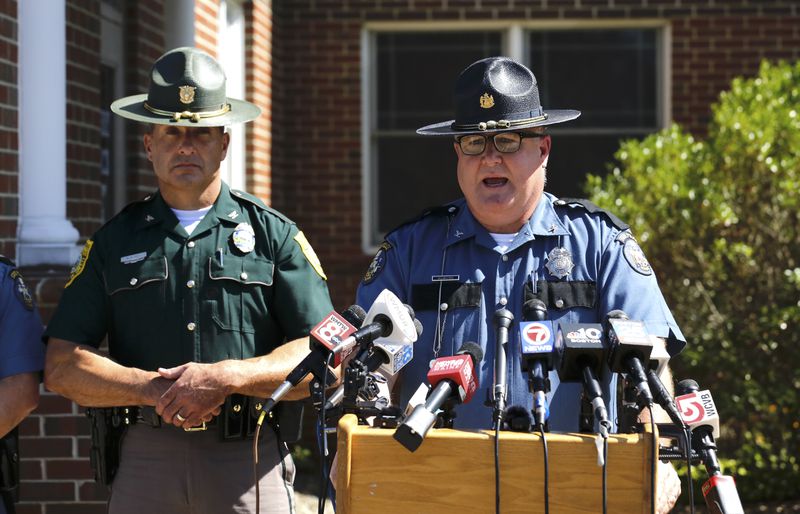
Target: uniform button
190 284
503 301
443 307
559 303
243 276
190 244
505 258
191 326
134 281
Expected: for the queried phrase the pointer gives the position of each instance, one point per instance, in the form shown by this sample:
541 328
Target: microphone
517 419
387 317
579 357
536 348
700 414
324 339
453 381
629 348
383 355
502 320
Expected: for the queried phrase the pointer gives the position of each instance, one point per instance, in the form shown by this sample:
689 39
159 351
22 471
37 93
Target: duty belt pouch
9 466
240 414
108 426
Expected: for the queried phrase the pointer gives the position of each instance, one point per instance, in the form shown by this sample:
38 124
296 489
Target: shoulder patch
635 256
592 209
77 269
311 256
21 290
378 262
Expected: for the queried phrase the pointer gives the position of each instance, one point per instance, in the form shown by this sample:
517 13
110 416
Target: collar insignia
233 215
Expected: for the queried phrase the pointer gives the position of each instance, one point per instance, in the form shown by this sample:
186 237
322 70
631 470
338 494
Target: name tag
445 278
136 257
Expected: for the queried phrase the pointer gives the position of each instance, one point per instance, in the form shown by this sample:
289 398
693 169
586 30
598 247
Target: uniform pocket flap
244 270
123 276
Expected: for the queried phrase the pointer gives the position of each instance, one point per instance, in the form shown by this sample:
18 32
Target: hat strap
193 116
491 124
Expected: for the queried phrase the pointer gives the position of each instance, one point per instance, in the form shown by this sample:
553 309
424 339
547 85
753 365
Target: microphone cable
653 459
688 434
546 471
605 472
324 482
497 465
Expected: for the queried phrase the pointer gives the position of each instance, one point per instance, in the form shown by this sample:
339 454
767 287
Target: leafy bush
718 219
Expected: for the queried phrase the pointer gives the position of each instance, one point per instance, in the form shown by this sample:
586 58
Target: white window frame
514 45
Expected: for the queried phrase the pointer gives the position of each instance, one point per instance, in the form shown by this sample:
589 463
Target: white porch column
44 234
178 24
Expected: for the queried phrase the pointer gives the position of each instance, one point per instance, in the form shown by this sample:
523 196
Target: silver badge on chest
244 238
559 262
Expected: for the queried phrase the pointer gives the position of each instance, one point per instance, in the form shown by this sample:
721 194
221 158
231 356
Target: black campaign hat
494 95
187 87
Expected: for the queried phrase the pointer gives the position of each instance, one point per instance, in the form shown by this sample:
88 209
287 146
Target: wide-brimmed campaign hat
187 87
494 95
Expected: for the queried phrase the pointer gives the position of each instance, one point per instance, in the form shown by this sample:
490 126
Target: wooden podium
453 471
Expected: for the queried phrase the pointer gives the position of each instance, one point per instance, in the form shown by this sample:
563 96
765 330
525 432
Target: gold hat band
501 124
193 116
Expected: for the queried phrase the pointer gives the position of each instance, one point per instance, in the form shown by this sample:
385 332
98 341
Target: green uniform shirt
164 297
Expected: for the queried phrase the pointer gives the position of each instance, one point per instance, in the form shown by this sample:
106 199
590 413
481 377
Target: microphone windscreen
517 419
686 386
418 326
355 315
473 349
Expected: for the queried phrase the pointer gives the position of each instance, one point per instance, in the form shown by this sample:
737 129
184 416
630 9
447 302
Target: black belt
237 420
147 415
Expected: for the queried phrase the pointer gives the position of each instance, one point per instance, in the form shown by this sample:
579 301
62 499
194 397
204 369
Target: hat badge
186 94
487 101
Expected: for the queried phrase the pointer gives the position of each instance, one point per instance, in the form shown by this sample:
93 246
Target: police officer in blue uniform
206 296
507 242
21 362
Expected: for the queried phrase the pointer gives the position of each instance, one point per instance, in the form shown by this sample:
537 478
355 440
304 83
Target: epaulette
6 260
592 209
438 211
259 203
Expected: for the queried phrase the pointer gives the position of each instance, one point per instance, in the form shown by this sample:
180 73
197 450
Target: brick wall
316 159
9 162
205 25
84 183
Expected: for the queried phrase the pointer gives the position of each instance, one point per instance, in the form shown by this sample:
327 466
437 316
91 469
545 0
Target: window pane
417 71
416 173
609 74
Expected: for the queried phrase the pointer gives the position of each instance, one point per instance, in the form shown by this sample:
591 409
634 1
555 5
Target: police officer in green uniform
203 292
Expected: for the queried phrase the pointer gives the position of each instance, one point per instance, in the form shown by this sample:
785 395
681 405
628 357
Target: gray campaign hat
187 87
494 95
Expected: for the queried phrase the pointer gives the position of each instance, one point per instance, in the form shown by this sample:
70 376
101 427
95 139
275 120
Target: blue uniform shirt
21 347
581 261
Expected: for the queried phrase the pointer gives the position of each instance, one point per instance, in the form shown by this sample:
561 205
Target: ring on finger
179 417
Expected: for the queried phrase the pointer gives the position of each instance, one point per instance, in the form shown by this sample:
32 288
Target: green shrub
718 220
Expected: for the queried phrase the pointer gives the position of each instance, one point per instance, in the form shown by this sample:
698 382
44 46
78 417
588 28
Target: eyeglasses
505 142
